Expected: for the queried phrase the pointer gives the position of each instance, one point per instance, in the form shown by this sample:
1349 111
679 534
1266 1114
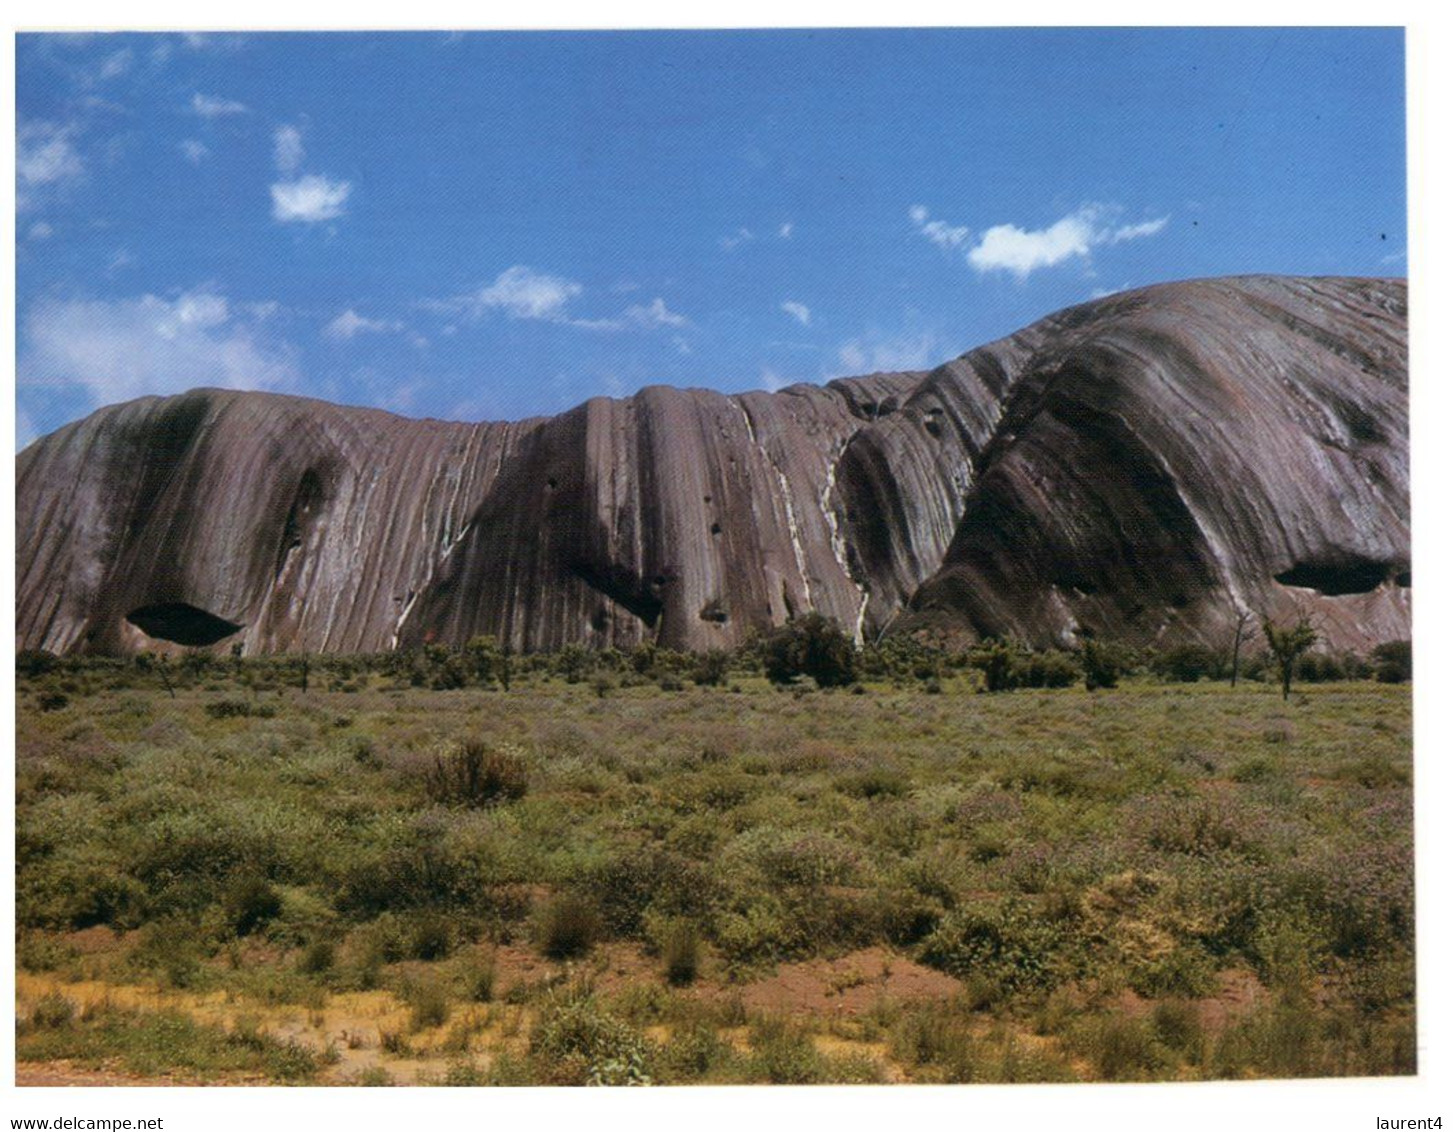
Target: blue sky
491 226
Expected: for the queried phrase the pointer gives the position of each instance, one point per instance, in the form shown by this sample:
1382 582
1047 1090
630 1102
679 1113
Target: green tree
811 645
1287 644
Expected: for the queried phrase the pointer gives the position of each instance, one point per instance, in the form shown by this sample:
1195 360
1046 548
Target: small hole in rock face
706 499
600 619
552 483
716 528
659 580
933 427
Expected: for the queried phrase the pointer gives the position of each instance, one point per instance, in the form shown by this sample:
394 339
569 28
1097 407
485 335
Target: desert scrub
473 773
579 1042
1009 947
148 1044
568 927
681 952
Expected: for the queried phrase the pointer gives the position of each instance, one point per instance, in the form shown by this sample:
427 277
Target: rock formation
1142 467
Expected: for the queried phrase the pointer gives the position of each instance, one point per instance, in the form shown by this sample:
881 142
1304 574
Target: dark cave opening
182 624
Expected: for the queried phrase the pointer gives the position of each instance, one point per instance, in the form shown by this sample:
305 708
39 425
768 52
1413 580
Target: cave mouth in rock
1336 578
182 624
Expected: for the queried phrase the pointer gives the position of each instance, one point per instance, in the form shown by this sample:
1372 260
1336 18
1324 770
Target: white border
1325 1104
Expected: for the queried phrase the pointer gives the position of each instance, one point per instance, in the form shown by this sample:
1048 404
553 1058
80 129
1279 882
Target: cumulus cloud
942 234
45 155
655 314
124 348
115 65
40 230
799 311
309 199
350 324
193 150
287 149
208 106
736 239
772 381
878 353
522 292
1006 247
1136 231
785 231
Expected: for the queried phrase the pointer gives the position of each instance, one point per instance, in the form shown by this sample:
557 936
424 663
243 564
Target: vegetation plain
455 867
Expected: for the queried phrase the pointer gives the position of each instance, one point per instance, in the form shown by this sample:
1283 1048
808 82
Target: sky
491 226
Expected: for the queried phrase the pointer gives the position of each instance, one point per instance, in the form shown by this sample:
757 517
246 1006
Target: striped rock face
1143 466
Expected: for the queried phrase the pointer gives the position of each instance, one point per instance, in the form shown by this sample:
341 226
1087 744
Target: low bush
568 927
472 773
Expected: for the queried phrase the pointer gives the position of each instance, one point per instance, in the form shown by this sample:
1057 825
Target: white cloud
1006 247
287 149
736 239
522 292
25 430
125 348
877 353
350 323
40 230
785 232
944 235
45 154
193 150
798 311
309 199
207 106
1136 231
656 314
115 64
772 381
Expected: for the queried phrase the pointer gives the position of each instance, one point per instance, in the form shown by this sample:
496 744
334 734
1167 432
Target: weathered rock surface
1141 466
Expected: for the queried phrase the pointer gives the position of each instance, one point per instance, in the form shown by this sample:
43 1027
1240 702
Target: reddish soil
850 985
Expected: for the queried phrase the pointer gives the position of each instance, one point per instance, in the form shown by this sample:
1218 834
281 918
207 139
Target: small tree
1287 644
1242 617
1104 663
811 645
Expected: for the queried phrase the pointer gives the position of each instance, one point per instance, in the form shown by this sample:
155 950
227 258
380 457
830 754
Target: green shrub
228 709
876 782
1121 1048
1008 945
472 773
428 1005
694 1050
811 645
568 927
999 662
1049 669
711 668
1393 662
53 1011
317 958
782 1054
52 701
479 979
1104 662
249 903
1177 1024
681 953
431 936
1188 663
589 1045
